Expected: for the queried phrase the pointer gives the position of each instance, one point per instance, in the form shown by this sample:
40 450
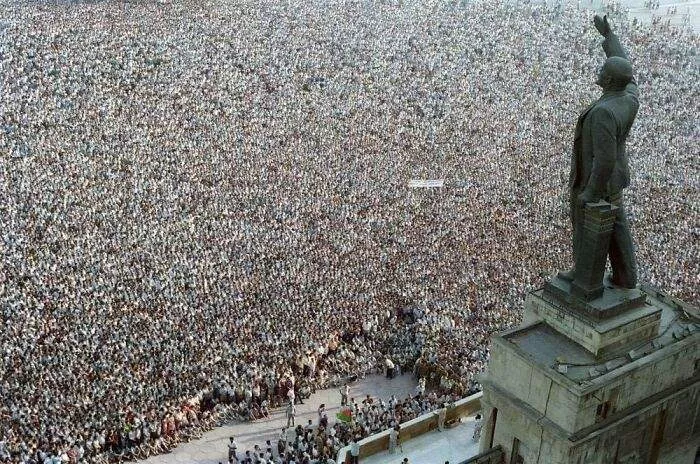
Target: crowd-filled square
205 204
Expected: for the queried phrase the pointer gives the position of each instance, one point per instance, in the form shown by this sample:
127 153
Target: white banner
424 183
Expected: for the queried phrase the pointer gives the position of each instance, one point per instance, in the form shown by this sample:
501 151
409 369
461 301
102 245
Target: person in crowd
232 447
344 393
354 451
291 413
478 424
389 368
441 416
393 437
321 412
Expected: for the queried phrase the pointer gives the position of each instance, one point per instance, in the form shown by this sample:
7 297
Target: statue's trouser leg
621 249
577 214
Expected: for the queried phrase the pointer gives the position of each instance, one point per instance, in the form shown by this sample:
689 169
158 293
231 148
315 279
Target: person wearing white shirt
354 451
389 368
477 427
393 437
232 447
442 414
321 410
291 413
344 392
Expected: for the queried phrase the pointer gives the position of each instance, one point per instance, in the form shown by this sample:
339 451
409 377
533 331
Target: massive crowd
204 200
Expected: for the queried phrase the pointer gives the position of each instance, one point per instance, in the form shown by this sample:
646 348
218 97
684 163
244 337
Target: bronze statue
600 172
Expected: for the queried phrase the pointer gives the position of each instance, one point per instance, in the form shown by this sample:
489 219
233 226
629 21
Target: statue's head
615 74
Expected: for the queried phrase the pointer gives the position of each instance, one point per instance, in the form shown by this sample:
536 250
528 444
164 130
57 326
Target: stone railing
491 456
422 424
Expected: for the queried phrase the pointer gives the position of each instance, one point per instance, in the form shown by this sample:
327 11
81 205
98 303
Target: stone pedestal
611 302
618 319
614 379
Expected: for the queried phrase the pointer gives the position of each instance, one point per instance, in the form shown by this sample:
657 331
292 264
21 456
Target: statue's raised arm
613 48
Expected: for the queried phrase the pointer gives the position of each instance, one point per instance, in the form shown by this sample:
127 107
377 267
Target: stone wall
664 430
640 379
492 456
549 395
536 443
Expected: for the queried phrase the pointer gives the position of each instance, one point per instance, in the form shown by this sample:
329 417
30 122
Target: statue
599 173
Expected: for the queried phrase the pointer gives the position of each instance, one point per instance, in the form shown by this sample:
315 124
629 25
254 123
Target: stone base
629 323
612 302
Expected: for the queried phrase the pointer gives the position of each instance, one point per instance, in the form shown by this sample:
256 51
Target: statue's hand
586 197
602 25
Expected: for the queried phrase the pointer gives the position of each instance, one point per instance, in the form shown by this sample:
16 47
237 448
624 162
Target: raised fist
602 25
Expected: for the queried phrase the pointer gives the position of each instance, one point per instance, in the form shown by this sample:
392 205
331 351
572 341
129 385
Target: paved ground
453 445
211 448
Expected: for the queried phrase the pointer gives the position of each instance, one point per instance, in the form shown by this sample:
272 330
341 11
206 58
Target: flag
345 415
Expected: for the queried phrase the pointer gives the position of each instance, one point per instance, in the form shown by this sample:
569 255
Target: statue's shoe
566 275
620 283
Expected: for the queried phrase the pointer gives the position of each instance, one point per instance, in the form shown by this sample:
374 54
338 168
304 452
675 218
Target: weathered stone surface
611 302
560 403
629 318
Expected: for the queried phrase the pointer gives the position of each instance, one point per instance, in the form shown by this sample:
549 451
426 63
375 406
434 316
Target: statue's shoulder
602 109
616 107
